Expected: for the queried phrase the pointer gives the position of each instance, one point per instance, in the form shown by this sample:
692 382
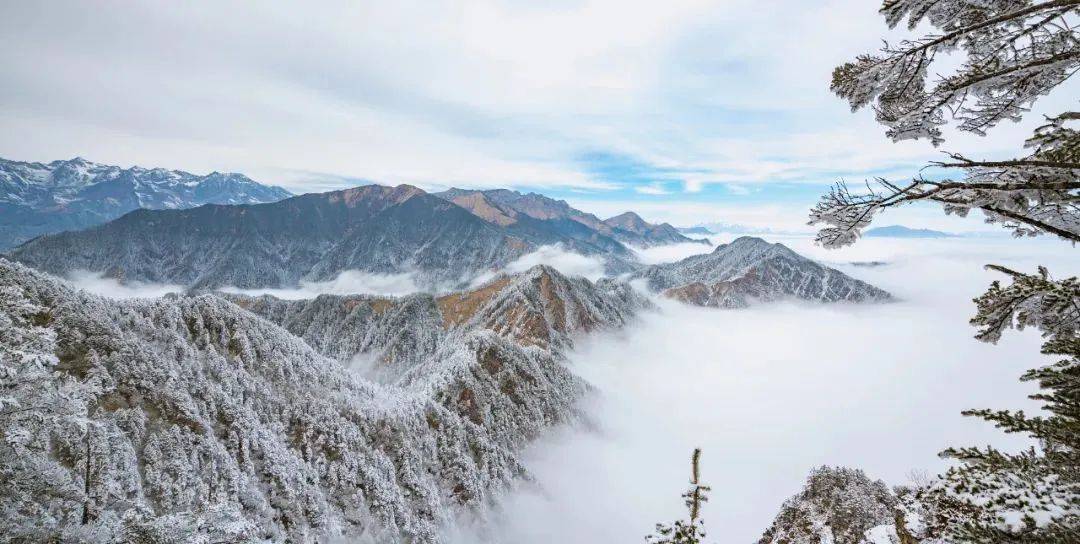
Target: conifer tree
1014 52
692 530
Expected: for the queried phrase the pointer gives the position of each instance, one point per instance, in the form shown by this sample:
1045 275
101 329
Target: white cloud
348 282
772 391
555 256
652 189
672 252
98 284
479 95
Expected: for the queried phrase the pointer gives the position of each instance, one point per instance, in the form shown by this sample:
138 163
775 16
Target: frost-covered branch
1015 52
1031 196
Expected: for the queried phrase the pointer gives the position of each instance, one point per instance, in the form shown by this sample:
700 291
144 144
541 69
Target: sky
686 110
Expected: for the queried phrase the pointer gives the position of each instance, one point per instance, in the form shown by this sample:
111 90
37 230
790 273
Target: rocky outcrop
838 506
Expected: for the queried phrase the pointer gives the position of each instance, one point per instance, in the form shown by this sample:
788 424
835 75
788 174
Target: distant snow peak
76 193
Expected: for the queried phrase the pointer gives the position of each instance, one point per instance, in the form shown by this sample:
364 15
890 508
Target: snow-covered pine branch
1033 195
1030 496
1015 51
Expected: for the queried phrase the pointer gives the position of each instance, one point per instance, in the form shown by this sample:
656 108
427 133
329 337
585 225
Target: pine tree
692 530
1015 51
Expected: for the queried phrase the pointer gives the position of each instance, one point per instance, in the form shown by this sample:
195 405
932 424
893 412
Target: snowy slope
191 419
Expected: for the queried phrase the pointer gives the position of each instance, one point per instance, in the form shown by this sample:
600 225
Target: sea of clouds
772 391
768 392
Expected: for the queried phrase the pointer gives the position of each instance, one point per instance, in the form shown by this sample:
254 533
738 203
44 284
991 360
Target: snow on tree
189 419
691 530
837 505
1014 51
1034 495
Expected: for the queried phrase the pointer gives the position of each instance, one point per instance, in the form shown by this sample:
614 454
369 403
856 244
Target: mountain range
445 239
900 231
43 198
218 417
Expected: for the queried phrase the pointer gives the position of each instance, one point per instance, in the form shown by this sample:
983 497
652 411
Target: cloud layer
772 391
677 96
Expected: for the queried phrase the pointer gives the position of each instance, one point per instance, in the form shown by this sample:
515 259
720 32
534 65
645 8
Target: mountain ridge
749 270
43 198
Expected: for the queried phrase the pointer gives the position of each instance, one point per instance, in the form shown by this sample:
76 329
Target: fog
555 256
346 283
97 283
772 391
768 392
671 253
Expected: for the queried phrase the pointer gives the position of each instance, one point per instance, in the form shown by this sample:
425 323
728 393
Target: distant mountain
750 269
900 231
630 228
44 198
701 231
314 236
506 208
194 416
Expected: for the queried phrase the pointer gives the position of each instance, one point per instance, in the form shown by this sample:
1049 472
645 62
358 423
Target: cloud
772 391
672 252
348 282
479 96
555 256
98 284
652 189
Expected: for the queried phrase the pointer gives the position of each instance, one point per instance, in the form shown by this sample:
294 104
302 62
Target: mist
772 391
672 252
348 282
98 284
555 256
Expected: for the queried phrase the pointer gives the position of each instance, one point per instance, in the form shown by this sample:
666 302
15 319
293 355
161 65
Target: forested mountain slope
189 418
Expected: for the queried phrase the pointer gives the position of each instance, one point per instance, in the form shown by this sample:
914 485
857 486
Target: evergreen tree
692 530
1015 51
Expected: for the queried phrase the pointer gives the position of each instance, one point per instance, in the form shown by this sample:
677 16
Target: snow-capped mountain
191 418
43 198
314 236
750 269
841 506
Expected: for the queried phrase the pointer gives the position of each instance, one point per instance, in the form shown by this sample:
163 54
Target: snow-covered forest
499 272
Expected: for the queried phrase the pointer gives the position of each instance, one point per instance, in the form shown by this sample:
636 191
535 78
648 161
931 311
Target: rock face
630 228
314 237
193 419
44 198
540 308
839 506
750 269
